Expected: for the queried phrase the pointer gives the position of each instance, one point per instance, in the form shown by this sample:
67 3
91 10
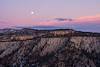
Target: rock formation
49 48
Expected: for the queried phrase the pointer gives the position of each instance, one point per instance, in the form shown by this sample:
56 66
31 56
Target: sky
85 14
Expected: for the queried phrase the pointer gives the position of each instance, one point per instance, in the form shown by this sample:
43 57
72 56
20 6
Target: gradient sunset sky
85 14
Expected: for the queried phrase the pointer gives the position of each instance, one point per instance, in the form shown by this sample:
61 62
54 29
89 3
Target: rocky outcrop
50 49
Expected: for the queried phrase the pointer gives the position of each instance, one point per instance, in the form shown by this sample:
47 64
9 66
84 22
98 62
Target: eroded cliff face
54 51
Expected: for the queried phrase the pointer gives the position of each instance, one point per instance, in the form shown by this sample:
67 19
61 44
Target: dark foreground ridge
49 48
7 35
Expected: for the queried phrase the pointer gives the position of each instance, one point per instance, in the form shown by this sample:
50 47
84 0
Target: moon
32 12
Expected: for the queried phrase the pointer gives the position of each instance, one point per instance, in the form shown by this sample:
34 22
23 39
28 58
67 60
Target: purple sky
86 13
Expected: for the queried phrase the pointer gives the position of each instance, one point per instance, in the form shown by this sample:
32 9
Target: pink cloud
43 22
5 24
89 19
81 20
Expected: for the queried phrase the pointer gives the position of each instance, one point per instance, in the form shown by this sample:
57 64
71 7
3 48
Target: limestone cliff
49 48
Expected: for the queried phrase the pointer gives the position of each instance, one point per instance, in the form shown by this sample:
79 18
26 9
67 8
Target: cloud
57 21
2 21
81 23
5 24
86 23
86 20
63 19
91 19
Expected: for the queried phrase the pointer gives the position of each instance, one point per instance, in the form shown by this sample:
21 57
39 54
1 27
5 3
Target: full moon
32 12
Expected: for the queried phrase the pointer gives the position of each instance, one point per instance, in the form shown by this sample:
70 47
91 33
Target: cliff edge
49 48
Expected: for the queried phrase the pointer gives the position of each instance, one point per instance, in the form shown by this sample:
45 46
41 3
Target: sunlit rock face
49 48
